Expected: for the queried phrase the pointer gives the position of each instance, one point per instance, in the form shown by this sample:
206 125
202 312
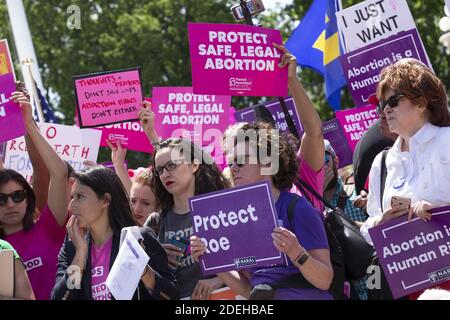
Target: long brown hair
208 177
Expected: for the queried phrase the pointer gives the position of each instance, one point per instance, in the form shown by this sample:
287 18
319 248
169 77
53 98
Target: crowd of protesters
68 219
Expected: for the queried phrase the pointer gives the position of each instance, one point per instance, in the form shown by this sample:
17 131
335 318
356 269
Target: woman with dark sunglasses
37 242
414 102
182 170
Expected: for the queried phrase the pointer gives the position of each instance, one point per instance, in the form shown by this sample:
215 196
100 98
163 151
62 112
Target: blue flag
315 43
49 116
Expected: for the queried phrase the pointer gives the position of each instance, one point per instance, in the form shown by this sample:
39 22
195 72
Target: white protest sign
70 143
127 269
372 20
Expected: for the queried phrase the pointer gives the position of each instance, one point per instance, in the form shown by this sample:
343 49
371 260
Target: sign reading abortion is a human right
236 60
236 226
108 97
414 255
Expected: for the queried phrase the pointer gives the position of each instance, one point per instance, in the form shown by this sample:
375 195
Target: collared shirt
423 173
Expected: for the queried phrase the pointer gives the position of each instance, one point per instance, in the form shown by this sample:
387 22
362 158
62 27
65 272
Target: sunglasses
169 166
392 101
16 196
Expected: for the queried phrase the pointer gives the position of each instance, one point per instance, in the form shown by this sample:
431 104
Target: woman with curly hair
303 238
182 170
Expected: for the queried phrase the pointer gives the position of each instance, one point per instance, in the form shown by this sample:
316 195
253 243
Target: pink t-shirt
100 258
39 248
314 178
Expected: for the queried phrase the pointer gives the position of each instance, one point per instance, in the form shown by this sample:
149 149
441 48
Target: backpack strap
302 185
383 175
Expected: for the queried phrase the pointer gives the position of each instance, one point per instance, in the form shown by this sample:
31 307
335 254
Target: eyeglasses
16 196
392 101
169 166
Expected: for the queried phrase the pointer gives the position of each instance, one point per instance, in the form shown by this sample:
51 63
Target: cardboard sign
274 106
355 122
11 122
72 144
414 255
236 60
372 20
108 97
6 65
236 226
332 131
362 67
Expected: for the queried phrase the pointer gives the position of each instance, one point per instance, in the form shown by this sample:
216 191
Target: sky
271 4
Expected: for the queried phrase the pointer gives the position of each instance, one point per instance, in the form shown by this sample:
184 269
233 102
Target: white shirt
423 173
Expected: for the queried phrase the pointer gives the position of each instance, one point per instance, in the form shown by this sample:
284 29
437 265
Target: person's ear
107 199
195 166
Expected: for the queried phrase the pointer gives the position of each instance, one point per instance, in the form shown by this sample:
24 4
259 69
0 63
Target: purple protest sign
332 131
236 225
108 97
355 122
274 106
362 66
414 255
236 60
11 122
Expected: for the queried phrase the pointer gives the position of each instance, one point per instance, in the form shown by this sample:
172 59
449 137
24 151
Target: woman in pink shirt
37 242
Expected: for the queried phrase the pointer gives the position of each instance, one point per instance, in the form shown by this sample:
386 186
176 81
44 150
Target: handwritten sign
236 226
414 254
109 97
236 60
362 67
355 122
70 143
372 20
11 123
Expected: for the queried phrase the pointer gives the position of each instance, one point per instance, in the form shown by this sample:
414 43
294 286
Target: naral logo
243 262
33 263
439 275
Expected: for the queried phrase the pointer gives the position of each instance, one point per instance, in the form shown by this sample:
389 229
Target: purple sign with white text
236 60
414 255
362 66
236 226
332 131
274 106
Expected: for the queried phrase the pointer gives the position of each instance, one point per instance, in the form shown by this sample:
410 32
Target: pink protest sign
108 97
236 60
180 113
130 135
11 122
355 122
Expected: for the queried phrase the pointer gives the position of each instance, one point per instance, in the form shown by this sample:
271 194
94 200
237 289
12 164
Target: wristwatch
301 260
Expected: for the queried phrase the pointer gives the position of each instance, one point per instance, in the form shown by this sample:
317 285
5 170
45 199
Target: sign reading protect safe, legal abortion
236 60
180 112
236 226
415 255
355 122
108 97
362 67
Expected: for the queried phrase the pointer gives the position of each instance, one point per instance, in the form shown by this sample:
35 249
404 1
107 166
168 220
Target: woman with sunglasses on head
37 242
414 102
182 170
99 211
302 239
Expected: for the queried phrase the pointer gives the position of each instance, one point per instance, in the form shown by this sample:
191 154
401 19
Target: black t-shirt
370 144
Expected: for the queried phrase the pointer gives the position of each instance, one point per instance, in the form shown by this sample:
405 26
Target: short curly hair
416 81
268 139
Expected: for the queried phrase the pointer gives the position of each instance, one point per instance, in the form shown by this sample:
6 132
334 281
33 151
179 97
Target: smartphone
400 201
181 243
254 7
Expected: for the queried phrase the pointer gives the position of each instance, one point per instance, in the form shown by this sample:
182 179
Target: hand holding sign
118 153
198 248
147 117
394 212
23 100
287 59
421 209
286 242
